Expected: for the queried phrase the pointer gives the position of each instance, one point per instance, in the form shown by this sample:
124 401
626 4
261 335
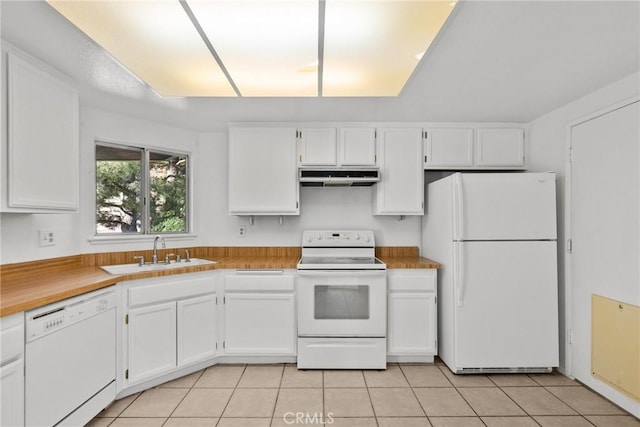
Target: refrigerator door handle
459 213
459 274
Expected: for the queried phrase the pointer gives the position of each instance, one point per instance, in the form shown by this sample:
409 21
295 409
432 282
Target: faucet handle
140 259
167 260
187 258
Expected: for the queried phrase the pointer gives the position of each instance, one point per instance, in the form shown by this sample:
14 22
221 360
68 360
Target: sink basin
135 268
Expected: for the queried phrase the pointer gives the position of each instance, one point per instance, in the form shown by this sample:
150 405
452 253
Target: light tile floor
405 395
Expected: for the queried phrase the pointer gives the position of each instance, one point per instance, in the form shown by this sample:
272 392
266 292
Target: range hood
338 177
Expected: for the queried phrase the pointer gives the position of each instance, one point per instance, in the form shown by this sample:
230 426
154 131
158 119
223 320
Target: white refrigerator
495 235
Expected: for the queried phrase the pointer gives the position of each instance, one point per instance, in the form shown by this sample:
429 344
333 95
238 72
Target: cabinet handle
249 272
425 159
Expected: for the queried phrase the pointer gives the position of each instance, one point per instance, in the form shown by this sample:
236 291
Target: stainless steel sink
135 268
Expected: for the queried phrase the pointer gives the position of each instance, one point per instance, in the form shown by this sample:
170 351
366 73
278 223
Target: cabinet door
12 393
152 341
263 171
43 140
317 147
412 323
448 148
500 148
259 324
197 329
400 190
357 147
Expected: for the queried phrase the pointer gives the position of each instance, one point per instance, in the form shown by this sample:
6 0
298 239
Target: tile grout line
324 414
575 409
366 386
275 404
414 392
183 397
463 398
244 369
516 403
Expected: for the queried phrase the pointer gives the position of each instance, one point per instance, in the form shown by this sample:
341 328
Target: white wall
547 151
73 231
320 207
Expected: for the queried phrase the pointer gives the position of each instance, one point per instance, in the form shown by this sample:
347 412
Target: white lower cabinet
260 313
12 390
171 323
197 329
152 341
412 313
12 370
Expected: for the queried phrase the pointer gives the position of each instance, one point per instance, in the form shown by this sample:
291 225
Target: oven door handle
334 273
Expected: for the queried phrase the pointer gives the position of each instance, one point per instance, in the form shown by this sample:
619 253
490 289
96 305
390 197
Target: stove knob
357 236
367 238
319 236
309 239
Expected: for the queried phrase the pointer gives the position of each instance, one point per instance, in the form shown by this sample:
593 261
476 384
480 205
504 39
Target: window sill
105 240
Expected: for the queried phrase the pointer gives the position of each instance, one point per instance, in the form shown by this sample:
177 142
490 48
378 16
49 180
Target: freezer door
504 206
506 308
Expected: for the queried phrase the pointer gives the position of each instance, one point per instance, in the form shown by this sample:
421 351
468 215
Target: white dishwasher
70 359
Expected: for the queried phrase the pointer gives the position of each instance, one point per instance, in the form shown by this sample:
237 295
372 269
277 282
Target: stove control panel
359 238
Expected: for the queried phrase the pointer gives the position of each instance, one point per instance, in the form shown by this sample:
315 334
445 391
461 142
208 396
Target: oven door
342 303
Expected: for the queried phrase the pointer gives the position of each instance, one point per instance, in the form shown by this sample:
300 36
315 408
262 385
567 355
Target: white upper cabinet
448 148
400 190
474 147
41 162
263 171
500 148
345 146
317 147
357 146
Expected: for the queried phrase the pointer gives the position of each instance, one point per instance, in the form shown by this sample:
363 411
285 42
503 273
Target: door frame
568 276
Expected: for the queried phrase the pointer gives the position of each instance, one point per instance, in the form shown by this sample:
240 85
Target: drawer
12 337
171 290
259 281
412 281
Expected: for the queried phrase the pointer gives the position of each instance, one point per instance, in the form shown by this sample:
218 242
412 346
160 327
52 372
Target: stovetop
339 250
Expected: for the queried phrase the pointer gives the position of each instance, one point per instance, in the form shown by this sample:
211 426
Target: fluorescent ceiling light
263 48
370 46
263 44
155 40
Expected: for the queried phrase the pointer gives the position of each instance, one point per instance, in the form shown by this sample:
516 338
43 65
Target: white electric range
342 301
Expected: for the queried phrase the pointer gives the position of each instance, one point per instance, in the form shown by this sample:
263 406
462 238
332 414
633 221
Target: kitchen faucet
154 259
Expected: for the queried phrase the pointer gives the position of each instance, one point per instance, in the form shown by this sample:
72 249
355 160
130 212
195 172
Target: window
140 190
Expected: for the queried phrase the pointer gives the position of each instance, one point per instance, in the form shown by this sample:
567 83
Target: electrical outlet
47 238
243 231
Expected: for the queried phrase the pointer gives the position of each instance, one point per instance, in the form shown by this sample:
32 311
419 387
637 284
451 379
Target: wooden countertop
409 262
29 285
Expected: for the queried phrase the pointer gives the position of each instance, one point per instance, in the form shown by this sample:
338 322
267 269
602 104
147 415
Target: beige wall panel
615 344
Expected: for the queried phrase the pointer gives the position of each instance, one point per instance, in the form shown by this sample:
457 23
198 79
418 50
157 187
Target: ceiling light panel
270 48
155 40
370 46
